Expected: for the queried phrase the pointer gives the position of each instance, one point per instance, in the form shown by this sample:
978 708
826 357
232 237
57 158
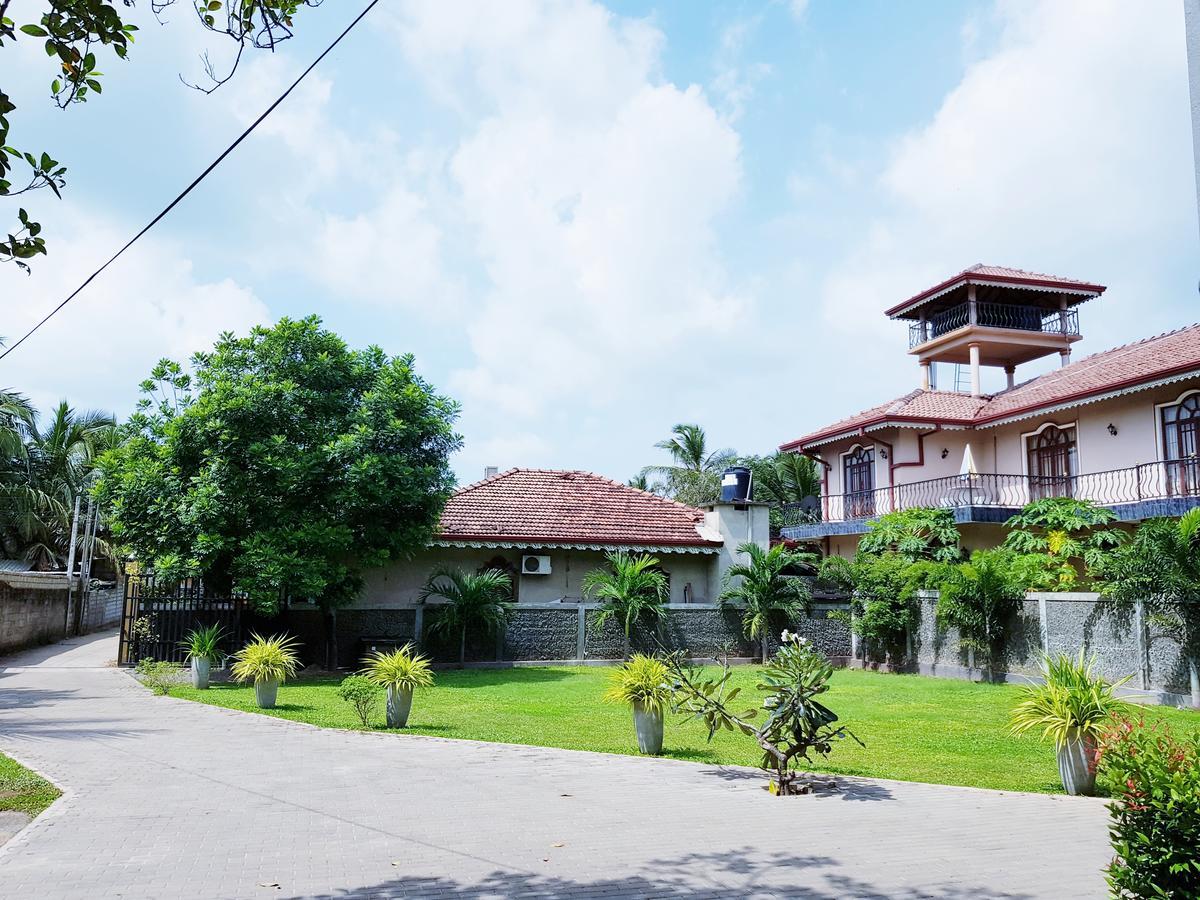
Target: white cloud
1039 159
147 305
589 189
799 9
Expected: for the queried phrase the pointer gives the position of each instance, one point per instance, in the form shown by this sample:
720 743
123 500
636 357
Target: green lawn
22 790
915 728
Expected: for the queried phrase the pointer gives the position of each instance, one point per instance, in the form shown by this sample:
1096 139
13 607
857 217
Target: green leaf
35 30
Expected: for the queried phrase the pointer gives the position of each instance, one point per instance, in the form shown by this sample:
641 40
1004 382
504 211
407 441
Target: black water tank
735 485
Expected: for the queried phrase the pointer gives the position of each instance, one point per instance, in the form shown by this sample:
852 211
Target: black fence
994 315
159 614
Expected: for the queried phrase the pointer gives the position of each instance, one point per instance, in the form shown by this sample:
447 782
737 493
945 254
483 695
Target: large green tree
78 37
287 465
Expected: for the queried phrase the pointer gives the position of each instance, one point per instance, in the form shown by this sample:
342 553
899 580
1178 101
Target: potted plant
643 683
266 662
401 672
203 646
1072 708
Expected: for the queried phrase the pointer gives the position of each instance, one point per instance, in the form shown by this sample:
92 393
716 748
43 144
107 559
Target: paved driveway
165 798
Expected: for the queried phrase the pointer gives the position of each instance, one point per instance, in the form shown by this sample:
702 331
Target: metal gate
157 616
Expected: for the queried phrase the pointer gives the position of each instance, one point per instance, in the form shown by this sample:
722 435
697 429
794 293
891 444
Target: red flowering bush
1154 778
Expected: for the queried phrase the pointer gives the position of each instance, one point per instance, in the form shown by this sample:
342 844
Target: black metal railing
1149 481
994 315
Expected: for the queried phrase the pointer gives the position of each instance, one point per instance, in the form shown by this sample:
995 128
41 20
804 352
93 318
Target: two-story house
1121 427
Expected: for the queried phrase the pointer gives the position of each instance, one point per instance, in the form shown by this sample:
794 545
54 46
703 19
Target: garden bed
916 728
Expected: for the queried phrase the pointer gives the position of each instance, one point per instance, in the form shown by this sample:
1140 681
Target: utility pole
71 570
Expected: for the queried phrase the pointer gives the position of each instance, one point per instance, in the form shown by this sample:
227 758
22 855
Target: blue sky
590 222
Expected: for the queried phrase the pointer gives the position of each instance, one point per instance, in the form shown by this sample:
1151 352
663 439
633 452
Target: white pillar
925 376
975 390
1010 373
1064 358
972 306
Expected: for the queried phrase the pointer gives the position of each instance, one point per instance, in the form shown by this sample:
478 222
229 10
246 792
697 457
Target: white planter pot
265 693
200 671
648 723
1075 766
399 704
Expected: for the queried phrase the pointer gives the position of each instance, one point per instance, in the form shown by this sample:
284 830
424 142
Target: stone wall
1059 623
102 607
558 633
33 609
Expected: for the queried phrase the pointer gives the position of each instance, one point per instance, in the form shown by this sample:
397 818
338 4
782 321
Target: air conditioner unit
535 565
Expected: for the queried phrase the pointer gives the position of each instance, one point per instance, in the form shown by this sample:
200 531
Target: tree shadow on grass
743 873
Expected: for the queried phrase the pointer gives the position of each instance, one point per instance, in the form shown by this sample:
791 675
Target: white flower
786 637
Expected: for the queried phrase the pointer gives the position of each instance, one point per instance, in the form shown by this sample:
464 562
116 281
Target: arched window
1051 462
1181 445
858 478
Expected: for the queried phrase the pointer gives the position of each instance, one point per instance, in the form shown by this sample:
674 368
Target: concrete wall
33 609
102 607
399 584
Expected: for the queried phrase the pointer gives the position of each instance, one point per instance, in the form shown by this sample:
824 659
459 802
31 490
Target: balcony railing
1149 481
994 315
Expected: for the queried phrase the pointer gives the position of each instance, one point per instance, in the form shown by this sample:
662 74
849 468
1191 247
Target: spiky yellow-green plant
266 659
1073 702
643 681
404 669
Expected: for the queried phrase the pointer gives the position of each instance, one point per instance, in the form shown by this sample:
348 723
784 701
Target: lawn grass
22 790
916 728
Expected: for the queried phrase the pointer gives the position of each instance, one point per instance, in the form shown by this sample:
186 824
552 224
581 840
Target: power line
170 206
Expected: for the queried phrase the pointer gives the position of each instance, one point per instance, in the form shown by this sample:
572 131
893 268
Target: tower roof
1000 277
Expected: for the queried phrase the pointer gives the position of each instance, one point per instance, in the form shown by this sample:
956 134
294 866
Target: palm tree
482 599
631 589
788 477
1161 567
693 478
55 467
764 591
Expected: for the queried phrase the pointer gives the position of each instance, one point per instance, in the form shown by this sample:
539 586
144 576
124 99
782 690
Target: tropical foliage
631 589
1074 701
266 659
1154 779
404 669
884 595
766 591
1161 568
694 473
204 643
288 465
979 598
1062 541
480 600
641 681
916 534
43 470
796 725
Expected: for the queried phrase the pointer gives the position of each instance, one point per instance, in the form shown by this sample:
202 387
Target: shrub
403 669
204 643
978 597
1074 701
266 659
1060 540
361 693
160 677
643 681
916 534
796 724
1155 829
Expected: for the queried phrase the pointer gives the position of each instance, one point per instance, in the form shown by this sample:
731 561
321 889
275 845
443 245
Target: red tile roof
546 506
1002 275
1142 362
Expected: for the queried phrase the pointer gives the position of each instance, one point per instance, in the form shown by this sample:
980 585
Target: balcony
1138 492
995 315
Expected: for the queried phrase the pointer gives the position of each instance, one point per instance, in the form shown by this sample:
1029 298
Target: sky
590 222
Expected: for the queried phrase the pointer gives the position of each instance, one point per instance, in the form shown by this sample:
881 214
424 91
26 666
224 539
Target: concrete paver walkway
165 798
